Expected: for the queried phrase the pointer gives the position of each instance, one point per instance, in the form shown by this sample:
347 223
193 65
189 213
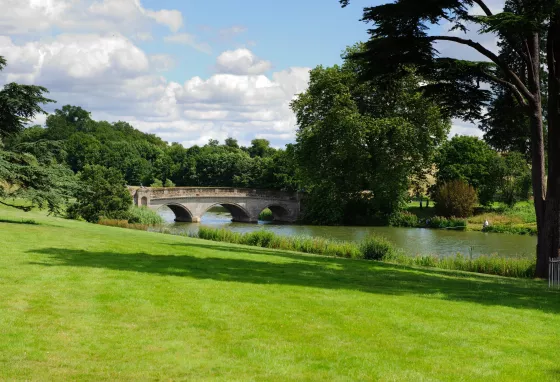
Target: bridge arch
238 213
182 213
279 212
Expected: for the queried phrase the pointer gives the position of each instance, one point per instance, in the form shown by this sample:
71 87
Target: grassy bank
519 219
89 302
372 248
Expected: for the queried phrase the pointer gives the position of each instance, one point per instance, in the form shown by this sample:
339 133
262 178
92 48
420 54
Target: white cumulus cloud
241 62
124 16
110 76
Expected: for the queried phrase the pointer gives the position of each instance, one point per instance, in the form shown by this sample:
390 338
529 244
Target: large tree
29 171
355 137
401 37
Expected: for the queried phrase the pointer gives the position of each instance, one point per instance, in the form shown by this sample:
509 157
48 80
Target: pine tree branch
509 85
493 57
484 7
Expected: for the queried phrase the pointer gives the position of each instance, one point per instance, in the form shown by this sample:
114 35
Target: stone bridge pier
190 203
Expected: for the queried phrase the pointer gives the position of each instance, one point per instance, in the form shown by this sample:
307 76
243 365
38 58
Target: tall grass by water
267 239
123 224
143 215
372 248
408 219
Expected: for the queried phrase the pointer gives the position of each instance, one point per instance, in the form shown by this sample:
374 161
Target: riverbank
519 219
371 247
126 305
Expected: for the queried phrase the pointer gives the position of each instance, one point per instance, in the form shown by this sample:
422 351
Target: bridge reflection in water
190 203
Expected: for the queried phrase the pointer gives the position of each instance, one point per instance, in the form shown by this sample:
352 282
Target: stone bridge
245 205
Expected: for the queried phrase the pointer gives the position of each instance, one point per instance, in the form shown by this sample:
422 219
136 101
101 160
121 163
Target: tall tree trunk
552 214
537 155
538 180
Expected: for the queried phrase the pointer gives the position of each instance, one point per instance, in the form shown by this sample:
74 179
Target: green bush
258 238
266 215
455 198
376 248
403 219
143 215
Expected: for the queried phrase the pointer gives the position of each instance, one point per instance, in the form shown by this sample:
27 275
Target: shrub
455 198
403 219
143 215
258 238
266 215
376 248
168 183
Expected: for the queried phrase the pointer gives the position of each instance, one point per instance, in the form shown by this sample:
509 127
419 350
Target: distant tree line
148 160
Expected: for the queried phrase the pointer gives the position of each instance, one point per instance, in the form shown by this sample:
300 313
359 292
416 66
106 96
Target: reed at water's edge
372 248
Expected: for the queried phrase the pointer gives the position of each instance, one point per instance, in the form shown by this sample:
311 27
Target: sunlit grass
88 302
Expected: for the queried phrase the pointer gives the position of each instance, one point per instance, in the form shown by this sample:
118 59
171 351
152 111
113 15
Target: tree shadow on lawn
318 272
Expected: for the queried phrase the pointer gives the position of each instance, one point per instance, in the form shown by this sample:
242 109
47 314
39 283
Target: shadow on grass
317 272
20 221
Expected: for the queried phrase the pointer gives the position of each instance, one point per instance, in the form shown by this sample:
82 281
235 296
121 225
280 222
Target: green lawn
88 302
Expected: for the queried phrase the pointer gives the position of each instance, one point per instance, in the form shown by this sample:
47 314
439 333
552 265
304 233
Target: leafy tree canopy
19 104
102 194
471 160
360 136
29 171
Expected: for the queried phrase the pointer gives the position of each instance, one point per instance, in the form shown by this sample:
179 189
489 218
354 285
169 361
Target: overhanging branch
484 7
509 85
493 57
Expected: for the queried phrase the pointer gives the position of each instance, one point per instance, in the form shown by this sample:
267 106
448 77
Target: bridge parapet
245 204
167 192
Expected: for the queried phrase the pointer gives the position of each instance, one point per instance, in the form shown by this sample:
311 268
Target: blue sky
289 33
186 70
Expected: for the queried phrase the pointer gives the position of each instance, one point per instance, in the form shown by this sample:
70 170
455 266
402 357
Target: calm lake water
412 240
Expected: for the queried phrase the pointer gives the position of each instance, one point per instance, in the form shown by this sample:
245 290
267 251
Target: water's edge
414 241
